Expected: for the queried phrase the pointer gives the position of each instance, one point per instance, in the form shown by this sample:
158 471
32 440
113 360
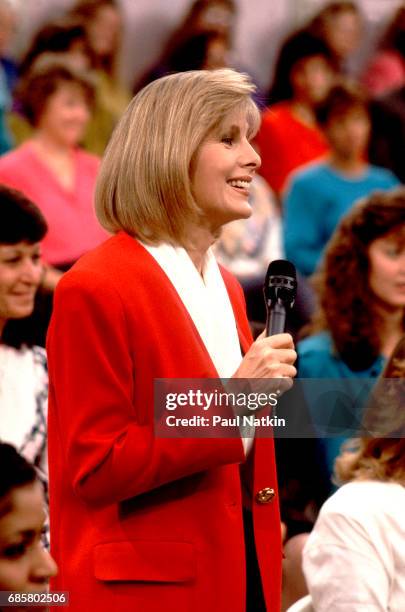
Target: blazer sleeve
109 455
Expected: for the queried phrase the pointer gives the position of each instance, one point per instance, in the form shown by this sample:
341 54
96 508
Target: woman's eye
15 551
228 140
13 260
392 251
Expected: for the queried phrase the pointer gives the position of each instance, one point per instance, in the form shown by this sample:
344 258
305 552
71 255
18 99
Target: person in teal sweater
361 314
319 195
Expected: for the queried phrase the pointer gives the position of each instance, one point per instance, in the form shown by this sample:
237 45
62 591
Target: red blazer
137 522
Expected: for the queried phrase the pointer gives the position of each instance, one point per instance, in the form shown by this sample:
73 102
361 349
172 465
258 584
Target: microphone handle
276 317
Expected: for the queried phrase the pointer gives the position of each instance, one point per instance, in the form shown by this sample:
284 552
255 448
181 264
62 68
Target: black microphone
280 289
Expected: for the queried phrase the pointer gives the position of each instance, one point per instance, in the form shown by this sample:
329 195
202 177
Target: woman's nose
251 157
31 271
43 566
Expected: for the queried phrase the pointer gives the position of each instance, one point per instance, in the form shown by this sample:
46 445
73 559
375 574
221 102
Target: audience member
289 136
354 558
386 70
49 168
61 36
25 565
23 371
340 25
68 36
206 18
361 289
204 39
103 25
319 195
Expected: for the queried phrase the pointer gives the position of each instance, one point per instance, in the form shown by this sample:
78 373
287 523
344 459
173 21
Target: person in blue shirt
361 313
318 195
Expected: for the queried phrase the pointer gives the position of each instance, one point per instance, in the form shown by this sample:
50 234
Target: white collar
207 302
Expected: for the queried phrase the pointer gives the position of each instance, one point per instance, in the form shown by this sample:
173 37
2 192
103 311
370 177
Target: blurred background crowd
330 80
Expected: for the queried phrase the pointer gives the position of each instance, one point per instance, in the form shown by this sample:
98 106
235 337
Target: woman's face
387 269
103 31
24 563
311 79
65 115
216 16
222 172
343 33
348 133
20 275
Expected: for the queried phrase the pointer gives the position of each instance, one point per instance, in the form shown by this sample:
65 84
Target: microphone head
281 283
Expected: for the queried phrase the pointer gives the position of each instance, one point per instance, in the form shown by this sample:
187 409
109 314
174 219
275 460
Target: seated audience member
354 557
318 196
289 136
386 70
23 371
59 36
50 168
69 35
103 24
206 33
361 291
25 565
340 25
7 71
205 17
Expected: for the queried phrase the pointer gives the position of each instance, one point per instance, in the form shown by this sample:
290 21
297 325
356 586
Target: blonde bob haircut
144 184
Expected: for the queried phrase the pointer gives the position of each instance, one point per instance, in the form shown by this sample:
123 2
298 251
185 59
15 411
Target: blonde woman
354 558
159 522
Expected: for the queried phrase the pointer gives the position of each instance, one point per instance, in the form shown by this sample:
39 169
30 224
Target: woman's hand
270 357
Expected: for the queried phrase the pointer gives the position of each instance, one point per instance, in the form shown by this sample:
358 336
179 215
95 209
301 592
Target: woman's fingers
271 357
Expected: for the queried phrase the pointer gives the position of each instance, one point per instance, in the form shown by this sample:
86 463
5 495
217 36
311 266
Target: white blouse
24 401
207 302
354 559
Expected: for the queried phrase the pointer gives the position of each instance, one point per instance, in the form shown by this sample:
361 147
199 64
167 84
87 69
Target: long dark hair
346 306
300 45
84 11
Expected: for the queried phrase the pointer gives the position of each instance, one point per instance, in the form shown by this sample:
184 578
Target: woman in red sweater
289 136
158 521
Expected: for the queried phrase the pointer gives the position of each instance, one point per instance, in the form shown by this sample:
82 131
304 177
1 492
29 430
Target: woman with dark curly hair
361 290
